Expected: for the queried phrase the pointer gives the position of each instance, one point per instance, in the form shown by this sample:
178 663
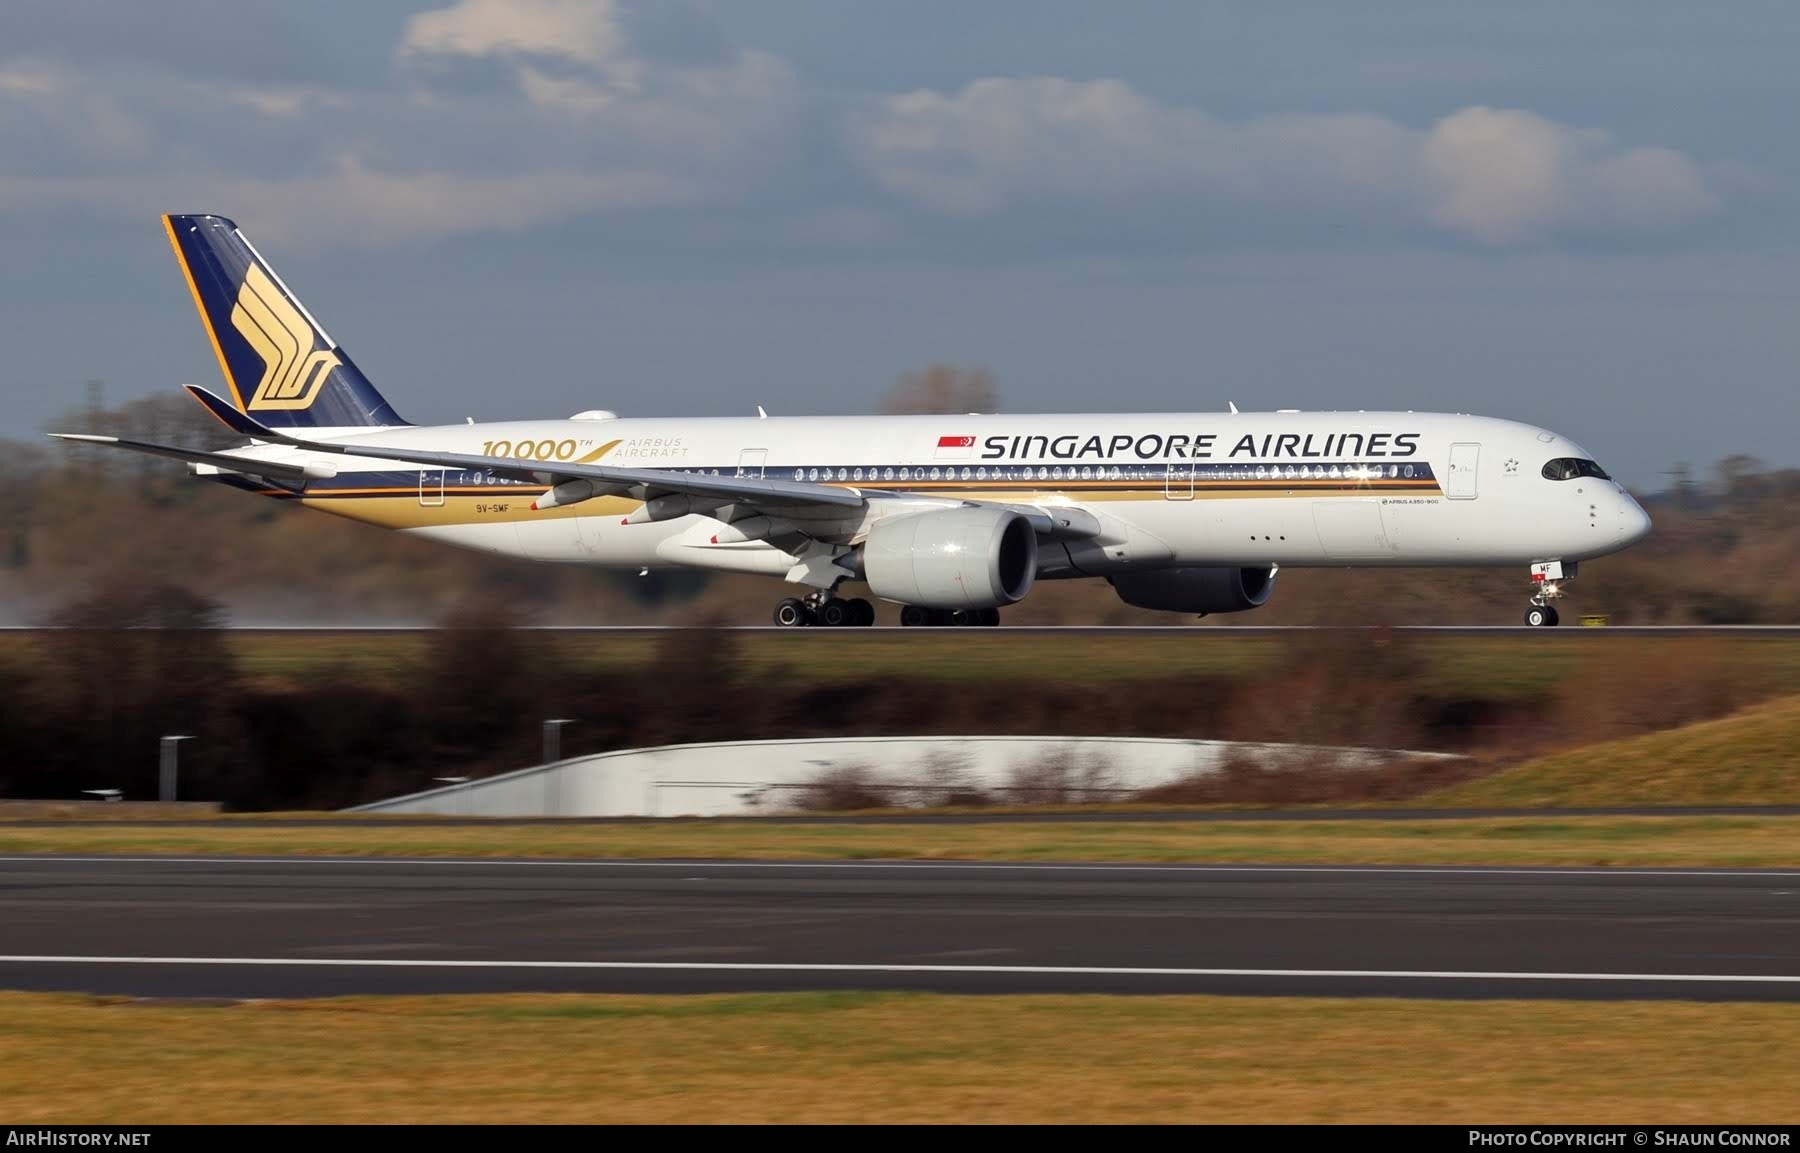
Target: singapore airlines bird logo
293 370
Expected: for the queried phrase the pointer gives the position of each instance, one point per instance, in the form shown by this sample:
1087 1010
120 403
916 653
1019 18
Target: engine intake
1196 590
959 558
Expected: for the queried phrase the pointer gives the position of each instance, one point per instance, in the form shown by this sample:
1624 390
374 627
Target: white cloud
28 78
84 122
586 32
590 127
547 107
351 204
1494 175
291 102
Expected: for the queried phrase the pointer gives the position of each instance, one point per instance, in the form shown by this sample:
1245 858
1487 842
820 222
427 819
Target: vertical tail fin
282 368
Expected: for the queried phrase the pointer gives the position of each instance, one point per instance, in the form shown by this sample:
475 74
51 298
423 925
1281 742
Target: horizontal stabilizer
229 463
227 415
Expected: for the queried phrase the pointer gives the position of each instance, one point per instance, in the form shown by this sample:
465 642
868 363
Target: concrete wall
751 777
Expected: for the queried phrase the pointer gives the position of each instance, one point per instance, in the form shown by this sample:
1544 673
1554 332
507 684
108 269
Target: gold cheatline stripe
200 306
400 508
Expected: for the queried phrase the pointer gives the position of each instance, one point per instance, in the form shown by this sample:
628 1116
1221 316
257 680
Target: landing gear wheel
862 613
988 617
791 614
914 616
1541 616
836 613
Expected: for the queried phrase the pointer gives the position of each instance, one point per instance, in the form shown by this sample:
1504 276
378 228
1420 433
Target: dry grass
1722 840
886 1058
1452 665
1749 758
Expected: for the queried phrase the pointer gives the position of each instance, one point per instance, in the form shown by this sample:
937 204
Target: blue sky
1577 215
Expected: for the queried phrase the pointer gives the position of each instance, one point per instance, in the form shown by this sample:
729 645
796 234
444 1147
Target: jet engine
1196 590
957 558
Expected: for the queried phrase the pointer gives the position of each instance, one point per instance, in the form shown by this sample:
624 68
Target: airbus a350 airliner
950 517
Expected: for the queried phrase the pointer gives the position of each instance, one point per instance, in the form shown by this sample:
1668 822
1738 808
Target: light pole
553 738
169 747
553 754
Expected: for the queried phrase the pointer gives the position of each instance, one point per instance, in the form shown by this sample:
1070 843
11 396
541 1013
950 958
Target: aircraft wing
640 483
277 469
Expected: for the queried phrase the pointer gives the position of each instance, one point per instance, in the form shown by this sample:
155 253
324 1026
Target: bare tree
942 388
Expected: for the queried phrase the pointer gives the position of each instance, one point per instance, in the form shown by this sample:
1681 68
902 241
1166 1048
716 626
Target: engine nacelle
955 558
1196 590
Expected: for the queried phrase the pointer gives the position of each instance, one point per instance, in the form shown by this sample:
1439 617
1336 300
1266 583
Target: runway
1194 630
308 927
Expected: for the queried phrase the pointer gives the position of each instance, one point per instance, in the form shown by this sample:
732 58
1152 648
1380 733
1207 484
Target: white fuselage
1289 489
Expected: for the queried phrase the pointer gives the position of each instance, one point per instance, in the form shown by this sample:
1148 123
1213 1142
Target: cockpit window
1569 467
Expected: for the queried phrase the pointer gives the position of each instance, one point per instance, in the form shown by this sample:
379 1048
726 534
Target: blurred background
1579 216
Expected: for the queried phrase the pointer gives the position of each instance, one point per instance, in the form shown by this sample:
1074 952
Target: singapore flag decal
955 447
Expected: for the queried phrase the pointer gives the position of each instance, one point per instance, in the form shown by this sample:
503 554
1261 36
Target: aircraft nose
1634 522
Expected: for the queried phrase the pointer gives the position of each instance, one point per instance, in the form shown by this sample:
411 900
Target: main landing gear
917 616
825 611
1546 583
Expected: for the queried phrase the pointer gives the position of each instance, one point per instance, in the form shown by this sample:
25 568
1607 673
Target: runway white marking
992 866
998 970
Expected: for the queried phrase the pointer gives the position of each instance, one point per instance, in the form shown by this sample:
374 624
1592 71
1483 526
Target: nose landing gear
1546 581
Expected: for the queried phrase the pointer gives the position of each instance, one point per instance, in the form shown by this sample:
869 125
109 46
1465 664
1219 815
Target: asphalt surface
1572 629
302 927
